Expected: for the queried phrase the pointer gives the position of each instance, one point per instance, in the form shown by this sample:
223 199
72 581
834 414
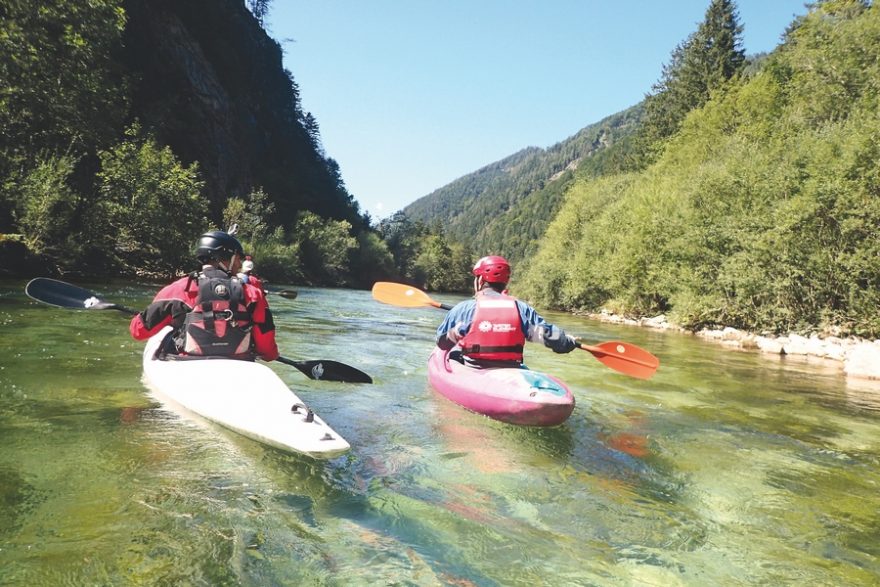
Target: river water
727 468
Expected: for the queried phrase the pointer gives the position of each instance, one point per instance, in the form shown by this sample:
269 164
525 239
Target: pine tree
703 63
259 8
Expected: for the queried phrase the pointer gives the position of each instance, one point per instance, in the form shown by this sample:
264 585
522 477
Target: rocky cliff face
180 95
210 83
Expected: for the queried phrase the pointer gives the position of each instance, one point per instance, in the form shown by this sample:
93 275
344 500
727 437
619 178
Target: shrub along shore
858 357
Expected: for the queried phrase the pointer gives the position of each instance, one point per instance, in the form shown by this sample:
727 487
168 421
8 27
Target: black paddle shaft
65 295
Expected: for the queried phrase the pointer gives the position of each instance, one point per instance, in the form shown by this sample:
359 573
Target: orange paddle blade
399 294
624 357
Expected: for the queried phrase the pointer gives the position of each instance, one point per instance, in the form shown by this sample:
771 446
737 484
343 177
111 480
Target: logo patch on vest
221 291
486 326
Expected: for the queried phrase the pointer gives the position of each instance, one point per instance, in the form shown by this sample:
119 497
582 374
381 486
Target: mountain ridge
504 207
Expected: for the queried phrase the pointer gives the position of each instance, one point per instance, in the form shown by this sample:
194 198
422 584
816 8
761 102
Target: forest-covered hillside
741 192
127 127
505 207
759 209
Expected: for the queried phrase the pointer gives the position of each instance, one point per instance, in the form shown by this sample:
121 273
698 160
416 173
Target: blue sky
412 94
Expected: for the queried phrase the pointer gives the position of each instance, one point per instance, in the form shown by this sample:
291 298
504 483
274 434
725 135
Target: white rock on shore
859 358
863 360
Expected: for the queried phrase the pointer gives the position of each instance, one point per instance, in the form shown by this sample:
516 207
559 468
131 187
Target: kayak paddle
405 296
623 357
326 370
620 356
65 295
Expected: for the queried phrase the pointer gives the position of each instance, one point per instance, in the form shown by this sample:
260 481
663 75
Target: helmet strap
227 269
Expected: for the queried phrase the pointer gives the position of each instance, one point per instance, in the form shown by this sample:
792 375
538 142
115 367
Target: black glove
158 311
556 340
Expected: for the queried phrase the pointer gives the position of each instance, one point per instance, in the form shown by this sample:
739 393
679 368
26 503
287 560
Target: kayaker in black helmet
212 311
494 326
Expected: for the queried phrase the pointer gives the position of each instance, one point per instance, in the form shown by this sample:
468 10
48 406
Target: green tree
60 88
372 261
151 204
46 208
252 215
325 246
259 8
443 266
462 262
432 269
275 257
404 239
699 66
60 94
760 213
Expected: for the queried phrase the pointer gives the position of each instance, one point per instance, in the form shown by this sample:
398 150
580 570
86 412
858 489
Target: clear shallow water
724 469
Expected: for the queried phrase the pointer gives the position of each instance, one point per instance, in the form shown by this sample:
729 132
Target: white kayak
244 396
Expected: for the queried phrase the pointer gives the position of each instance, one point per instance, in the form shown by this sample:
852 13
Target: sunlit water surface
726 468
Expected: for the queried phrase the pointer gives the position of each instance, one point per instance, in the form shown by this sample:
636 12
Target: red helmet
493 269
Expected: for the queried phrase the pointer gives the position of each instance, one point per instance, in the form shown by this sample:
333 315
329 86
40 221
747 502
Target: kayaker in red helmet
493 327
212 311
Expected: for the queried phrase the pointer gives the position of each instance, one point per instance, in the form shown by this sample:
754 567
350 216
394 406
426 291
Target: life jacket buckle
226 314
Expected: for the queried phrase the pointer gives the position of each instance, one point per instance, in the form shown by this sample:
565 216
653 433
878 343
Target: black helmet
217 245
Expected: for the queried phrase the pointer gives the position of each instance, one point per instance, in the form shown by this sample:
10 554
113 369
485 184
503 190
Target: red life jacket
496 331
256 282
219 323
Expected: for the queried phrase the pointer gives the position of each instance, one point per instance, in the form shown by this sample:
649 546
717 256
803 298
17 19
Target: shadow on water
18 500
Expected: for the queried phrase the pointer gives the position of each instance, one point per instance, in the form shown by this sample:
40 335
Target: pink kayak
510 394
